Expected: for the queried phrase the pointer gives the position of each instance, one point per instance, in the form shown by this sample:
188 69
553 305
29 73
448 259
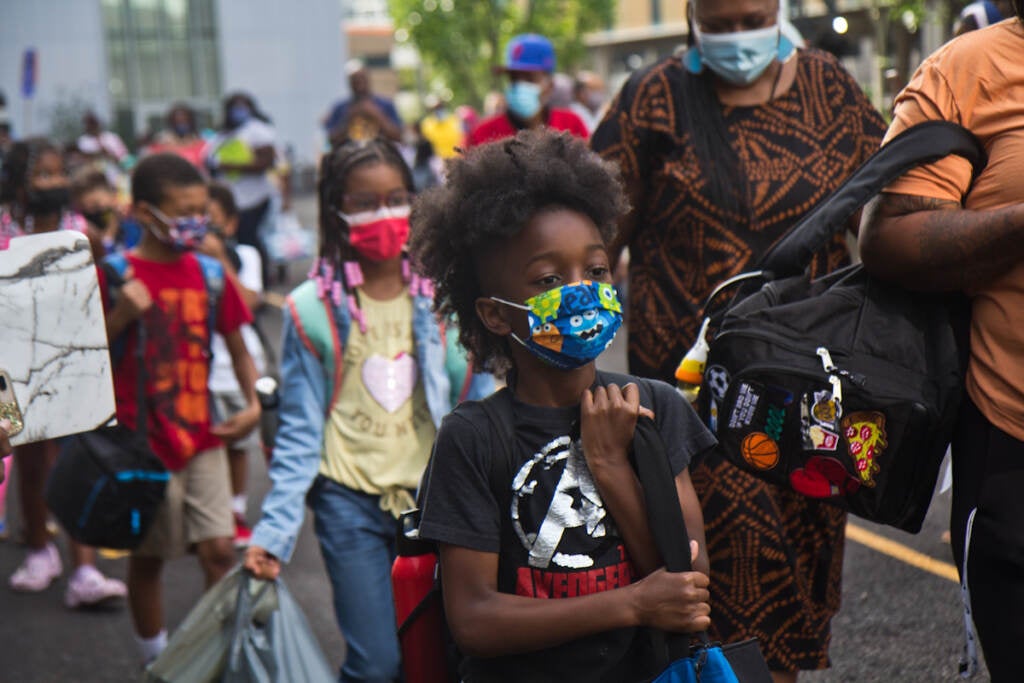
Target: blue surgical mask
738 58
239 114
571 325
523 99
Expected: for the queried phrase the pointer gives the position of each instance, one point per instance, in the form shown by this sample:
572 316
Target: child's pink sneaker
89 588
38 570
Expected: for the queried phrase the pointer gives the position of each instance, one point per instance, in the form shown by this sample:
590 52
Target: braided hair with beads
336 271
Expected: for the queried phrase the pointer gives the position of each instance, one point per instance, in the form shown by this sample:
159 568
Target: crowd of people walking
441 352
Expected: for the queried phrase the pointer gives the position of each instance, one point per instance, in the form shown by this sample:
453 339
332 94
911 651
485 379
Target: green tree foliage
462 40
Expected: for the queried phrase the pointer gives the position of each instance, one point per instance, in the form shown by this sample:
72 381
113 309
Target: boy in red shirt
167 294
529 63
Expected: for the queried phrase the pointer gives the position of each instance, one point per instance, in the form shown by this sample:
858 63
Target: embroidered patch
760 451
746 404
717 378
865 440
773 422
826 410
822 477
817 432
822 439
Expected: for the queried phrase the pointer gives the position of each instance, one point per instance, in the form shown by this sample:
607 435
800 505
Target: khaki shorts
196 507
227 403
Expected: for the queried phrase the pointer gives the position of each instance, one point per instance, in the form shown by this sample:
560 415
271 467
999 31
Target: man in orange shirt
936 230
529 64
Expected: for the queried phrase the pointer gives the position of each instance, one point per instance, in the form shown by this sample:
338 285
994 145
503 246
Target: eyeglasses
359 202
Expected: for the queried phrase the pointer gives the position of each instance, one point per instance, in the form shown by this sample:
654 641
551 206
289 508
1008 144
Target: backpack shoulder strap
115 268
213 279
646 397
316 326
921 144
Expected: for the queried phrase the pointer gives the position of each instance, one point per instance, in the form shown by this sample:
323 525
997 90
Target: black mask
97 218
49 201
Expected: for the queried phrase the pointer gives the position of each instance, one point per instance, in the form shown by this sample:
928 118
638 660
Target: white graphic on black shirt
575 515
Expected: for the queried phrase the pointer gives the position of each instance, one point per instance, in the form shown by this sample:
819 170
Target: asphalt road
897 623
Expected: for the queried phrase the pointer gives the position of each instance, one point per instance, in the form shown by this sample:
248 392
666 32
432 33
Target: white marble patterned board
53 340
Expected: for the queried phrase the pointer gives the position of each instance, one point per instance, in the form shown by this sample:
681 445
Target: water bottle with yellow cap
690 373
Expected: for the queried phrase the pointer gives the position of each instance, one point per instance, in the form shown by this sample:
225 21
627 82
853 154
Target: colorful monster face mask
571 325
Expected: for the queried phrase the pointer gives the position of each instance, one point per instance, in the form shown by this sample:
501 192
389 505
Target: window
158 52
366 11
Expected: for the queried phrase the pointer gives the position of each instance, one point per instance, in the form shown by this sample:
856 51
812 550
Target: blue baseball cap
529 52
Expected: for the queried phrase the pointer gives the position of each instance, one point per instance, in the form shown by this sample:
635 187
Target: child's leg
145 595
34 462
164 540
216 558
209 523
357 543
238 460
5 465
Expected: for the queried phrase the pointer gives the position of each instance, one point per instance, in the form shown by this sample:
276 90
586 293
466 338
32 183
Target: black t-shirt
546 521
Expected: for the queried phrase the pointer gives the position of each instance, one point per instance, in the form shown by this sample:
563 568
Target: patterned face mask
571 325
184 233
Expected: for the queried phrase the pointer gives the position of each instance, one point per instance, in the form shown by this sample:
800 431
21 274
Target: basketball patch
760 451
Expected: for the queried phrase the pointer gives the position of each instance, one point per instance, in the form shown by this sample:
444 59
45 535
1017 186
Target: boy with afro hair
548 565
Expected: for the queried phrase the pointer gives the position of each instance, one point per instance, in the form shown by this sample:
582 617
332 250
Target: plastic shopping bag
287 240
239 625
198 650
274 647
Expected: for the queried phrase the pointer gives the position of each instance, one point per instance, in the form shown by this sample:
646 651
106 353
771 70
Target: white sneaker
38 570
89 588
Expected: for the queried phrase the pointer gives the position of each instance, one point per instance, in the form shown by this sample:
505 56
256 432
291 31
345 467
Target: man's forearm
936 245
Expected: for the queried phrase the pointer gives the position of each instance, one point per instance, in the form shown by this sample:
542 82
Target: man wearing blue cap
529 63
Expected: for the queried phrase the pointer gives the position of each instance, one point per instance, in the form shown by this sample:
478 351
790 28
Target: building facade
129 60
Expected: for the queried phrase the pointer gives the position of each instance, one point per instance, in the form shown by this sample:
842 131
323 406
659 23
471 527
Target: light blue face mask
738 58
523 99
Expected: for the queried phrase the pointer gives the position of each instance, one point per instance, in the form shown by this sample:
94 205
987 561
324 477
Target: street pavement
898 622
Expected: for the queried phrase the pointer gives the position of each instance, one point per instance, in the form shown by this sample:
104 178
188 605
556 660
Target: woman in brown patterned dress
722 150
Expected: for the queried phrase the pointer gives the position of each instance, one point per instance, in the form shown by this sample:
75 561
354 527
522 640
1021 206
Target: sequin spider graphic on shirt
557 483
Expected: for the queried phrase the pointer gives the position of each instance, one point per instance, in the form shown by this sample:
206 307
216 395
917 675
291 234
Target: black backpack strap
665 518
114 270
664 515
924 143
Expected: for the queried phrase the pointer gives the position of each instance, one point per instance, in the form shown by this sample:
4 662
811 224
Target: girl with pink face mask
368 373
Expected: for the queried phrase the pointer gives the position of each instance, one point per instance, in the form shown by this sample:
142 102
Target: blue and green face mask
571 325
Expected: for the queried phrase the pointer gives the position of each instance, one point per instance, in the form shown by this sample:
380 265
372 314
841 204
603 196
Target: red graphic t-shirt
177 357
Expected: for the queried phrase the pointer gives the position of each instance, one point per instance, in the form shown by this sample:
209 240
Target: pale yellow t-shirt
379 433
977 81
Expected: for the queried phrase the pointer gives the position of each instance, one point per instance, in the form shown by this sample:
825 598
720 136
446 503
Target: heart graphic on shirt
390 382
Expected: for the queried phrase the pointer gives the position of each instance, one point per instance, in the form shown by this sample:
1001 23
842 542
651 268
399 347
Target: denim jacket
307 394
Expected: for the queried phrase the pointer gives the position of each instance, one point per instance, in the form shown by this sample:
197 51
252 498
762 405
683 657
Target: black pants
249 222
988 474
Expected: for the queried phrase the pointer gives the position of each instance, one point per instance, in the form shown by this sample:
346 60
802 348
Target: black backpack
107 485
844 388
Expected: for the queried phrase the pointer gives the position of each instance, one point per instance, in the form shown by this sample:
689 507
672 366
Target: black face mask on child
49 201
